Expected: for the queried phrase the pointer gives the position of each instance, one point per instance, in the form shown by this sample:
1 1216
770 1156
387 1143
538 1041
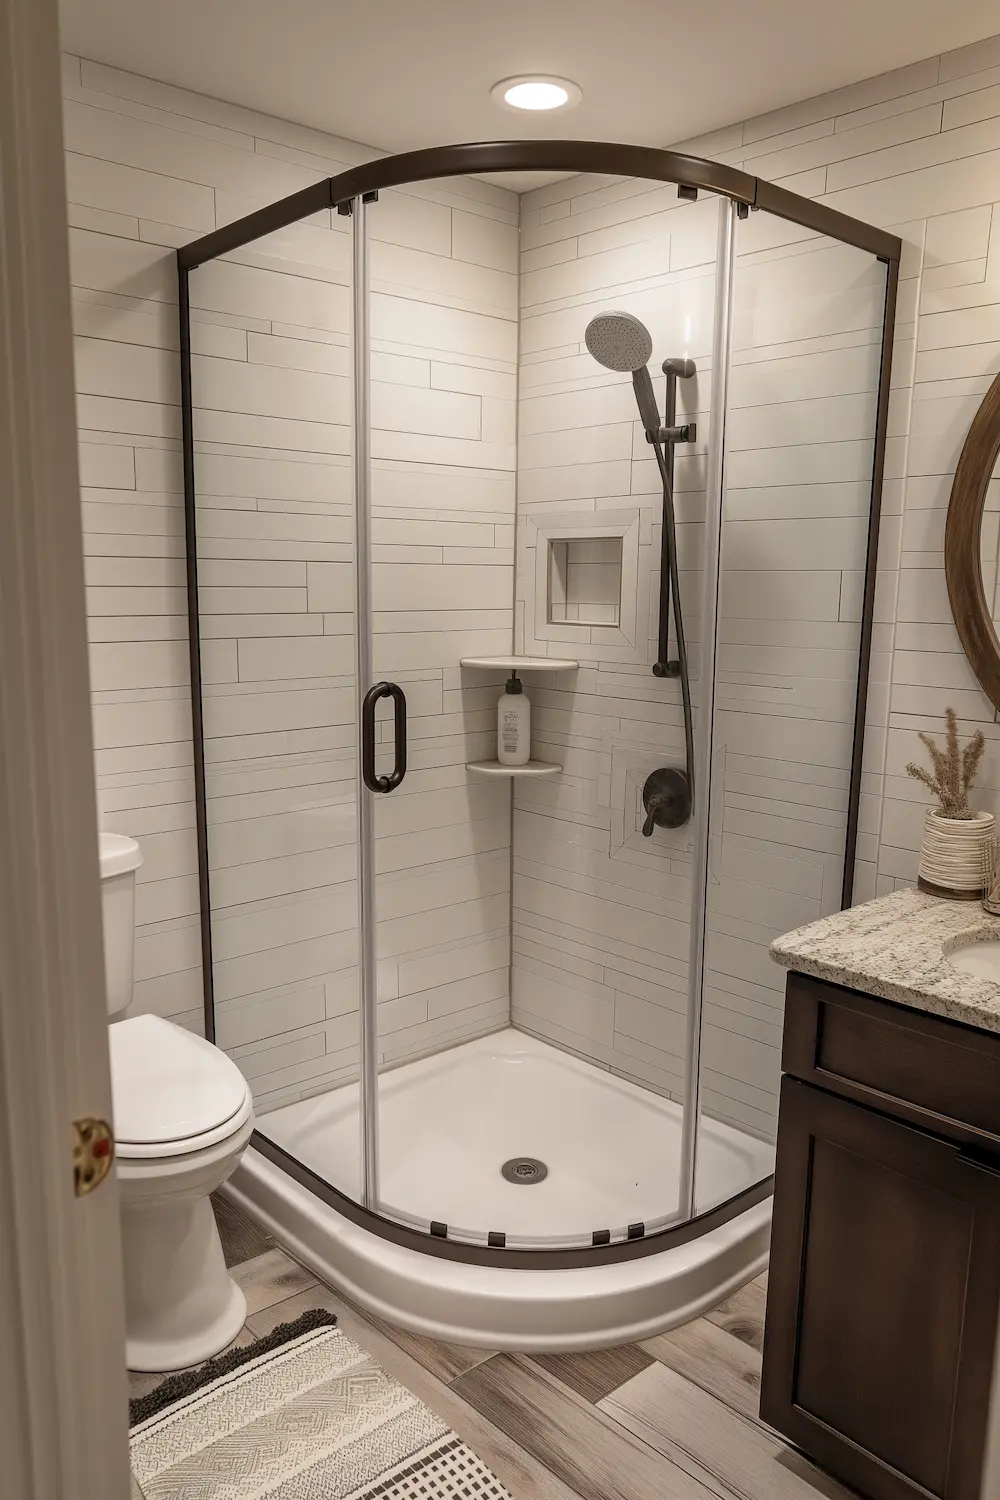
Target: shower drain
524 1170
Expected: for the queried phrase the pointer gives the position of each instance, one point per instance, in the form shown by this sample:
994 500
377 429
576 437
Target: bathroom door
63 1391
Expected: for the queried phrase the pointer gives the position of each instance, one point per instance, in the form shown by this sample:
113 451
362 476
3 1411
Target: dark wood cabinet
884 1283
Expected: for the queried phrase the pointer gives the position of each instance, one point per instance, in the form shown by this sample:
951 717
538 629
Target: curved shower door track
691 173
348 193
490 1248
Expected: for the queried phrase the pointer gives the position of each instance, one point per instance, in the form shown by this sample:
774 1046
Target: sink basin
980 959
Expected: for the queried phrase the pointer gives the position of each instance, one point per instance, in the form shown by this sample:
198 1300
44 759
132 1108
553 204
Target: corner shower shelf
521 663
534 768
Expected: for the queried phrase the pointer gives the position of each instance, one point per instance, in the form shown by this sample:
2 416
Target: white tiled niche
585 581
573 562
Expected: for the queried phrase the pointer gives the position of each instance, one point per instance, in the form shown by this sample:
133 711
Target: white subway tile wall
916 151
601 914
807 331
800 439
150 166
273 429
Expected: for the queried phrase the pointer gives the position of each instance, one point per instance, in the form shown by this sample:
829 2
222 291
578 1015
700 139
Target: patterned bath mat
303 1414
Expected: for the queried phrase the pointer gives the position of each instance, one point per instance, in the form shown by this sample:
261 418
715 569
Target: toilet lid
168 1084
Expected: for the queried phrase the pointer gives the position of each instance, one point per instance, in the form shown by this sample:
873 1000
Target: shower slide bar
670 434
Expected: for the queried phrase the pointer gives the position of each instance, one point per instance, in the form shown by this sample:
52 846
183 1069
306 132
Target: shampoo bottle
514 726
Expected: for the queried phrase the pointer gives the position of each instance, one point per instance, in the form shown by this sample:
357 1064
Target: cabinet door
882 1299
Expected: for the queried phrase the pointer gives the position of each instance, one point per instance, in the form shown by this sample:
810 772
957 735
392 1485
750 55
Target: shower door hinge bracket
346 208
743 210
684 190
371 197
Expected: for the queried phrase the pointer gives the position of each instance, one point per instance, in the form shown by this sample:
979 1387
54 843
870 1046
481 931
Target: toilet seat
174 1093
160 1150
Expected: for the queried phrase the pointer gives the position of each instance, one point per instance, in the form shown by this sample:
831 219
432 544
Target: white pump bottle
514 725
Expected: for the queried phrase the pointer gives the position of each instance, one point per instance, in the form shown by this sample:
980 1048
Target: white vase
951 855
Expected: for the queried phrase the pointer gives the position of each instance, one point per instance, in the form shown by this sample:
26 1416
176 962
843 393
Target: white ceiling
400 74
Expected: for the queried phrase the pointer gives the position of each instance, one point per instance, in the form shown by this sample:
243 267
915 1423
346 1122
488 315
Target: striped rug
303 1414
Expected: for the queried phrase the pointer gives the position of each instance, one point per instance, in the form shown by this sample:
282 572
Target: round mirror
972 545
989 540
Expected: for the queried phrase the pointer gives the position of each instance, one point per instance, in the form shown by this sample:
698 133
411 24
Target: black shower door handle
373 782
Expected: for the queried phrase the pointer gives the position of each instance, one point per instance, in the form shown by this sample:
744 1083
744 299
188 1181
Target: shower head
618 341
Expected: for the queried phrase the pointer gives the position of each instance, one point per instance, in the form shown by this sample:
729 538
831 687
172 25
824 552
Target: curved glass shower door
533 943
272 414
805 362
618 442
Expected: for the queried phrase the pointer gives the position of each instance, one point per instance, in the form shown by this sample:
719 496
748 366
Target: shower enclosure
513 1039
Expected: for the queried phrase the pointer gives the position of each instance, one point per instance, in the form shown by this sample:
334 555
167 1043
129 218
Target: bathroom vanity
884 1288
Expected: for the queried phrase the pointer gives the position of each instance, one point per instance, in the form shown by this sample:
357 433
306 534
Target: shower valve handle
666 796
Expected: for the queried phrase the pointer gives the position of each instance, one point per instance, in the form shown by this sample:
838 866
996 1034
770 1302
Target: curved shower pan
526 1186
596 1305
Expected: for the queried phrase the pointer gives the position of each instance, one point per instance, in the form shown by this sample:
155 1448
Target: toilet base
181 1304
166 1354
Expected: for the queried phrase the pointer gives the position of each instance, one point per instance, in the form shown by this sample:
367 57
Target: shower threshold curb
553 1311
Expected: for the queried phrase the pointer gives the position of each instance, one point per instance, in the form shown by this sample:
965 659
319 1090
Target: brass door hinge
93 1153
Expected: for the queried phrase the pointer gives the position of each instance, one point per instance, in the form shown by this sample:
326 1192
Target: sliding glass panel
807 334
444 331
533 1042
273 419
603 852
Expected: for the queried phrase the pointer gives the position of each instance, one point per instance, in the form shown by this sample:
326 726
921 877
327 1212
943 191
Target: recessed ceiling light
536 91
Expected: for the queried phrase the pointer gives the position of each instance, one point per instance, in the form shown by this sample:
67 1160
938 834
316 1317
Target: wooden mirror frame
962 568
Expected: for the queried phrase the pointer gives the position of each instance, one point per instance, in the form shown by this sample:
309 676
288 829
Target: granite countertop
894 947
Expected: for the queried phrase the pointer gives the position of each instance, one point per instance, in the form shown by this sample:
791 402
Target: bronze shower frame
691 175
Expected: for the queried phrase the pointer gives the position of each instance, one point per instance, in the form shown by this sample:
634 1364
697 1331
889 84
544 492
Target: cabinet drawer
920 1068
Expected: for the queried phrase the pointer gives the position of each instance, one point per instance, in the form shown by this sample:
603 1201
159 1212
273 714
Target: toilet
183 1116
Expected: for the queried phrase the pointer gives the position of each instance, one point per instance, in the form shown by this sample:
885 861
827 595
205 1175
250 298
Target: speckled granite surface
895 947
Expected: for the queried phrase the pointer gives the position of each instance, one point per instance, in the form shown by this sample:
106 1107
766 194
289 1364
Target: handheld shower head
620 342
645 398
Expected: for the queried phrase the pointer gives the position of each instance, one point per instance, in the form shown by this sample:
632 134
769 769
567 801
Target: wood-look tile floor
673 1418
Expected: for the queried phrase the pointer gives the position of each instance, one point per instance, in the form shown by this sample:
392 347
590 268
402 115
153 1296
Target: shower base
448 1125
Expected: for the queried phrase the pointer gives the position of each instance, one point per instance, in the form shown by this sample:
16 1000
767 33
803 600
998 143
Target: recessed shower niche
585 581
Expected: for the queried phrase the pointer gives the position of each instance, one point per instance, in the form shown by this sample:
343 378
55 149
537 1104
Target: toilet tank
120 858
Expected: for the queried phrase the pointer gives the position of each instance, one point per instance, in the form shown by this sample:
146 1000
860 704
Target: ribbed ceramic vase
951 855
